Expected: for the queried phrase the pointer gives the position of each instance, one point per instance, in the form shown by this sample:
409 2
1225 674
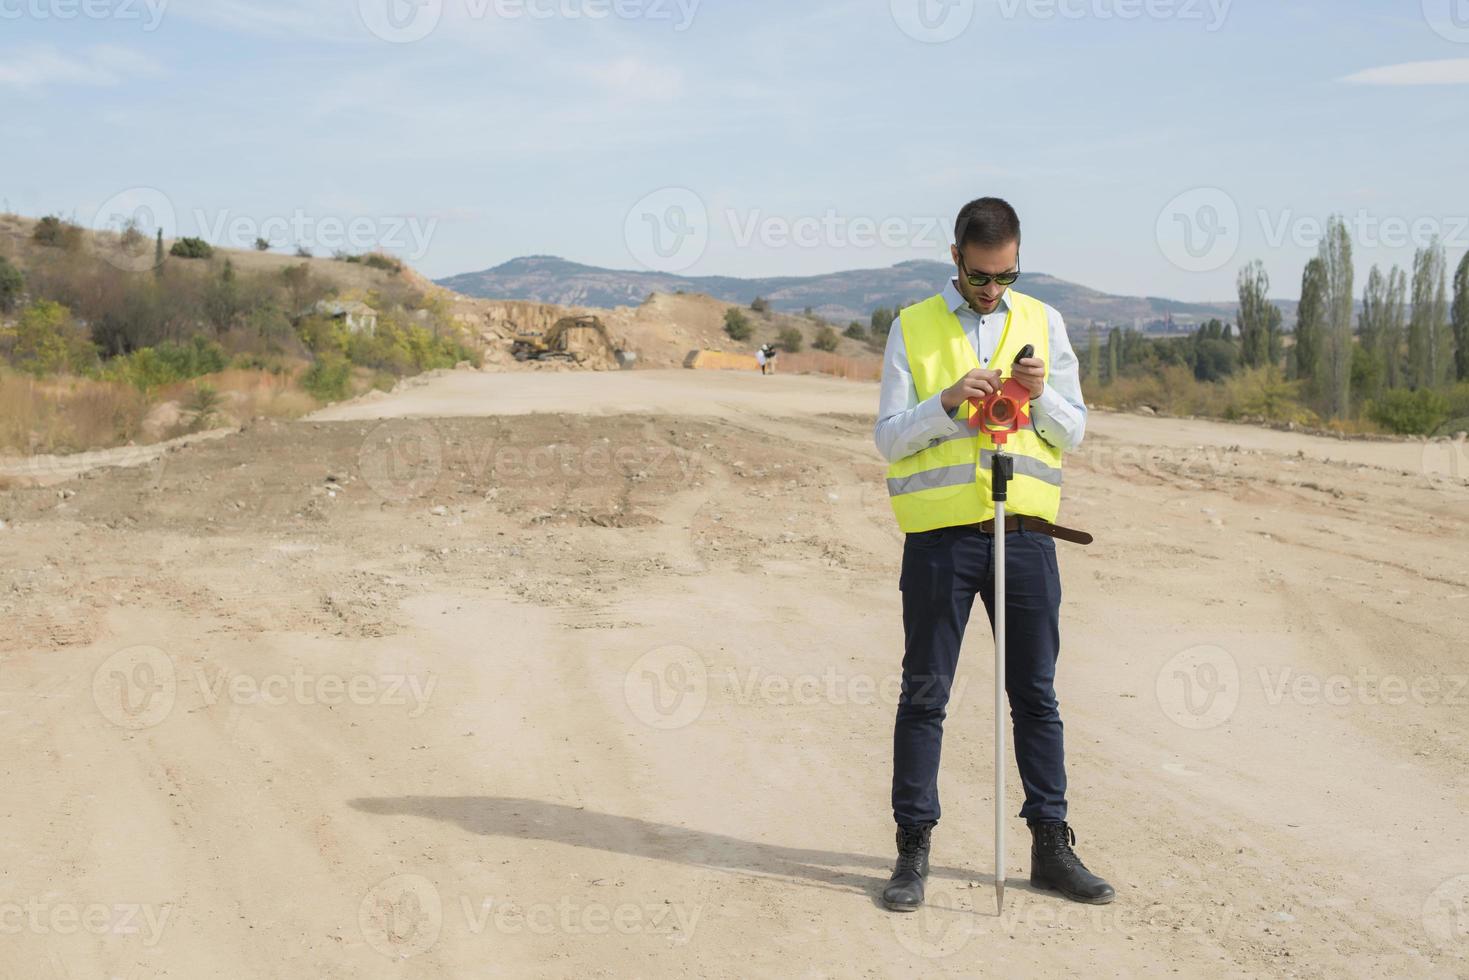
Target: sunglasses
979 281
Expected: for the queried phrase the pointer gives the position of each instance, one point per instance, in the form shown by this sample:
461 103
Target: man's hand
1031 372
978 383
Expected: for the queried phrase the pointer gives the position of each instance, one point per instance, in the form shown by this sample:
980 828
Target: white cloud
1452 71
101 64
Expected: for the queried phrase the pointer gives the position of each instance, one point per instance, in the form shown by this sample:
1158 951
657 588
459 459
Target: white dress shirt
906 426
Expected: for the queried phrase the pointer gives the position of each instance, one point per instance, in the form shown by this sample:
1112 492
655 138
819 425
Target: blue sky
1151 146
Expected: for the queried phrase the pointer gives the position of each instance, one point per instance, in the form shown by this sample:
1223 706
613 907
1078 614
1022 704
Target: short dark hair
987 221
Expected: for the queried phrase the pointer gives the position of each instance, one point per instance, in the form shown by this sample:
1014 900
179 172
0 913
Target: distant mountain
839 296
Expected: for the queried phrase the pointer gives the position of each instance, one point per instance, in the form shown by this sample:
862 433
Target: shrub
760 305
826 339
12 283
736 324
261 245
192 248
328 380
855 330
1409 412
149 367
53 231
377 260
203 404
48 341
791 339
302 252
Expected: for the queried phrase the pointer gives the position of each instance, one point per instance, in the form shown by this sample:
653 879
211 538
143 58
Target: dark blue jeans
942 572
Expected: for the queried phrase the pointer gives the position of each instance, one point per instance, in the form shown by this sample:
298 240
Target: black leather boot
1055 866
904 892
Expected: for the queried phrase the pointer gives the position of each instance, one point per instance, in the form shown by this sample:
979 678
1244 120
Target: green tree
1371 336
1310 325
882 321
1093 355
855 330
1394 324
192 248
760 305
736 324
1255 320
222 302
826 339
158 254
261 245
1461 320
791 339
12 284
48 341
1336 260
1427 327
1114 354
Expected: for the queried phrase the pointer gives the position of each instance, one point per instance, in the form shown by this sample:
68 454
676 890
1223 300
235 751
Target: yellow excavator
555 344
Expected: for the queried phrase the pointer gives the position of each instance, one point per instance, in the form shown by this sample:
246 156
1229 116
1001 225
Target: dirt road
565 674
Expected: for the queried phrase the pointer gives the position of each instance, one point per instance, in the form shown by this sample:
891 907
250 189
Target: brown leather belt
1024 522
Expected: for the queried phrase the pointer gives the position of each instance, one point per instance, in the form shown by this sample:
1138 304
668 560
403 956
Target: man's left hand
1031 372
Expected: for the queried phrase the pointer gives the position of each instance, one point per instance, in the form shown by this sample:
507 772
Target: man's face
985 260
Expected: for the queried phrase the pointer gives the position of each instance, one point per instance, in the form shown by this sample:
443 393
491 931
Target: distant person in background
768 366
760 358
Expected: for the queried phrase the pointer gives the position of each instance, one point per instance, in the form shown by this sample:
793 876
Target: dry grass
67 414
836 365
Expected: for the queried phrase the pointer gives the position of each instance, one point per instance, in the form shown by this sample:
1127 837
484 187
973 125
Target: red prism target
1003 412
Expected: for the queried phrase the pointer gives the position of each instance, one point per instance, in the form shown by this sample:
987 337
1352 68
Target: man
956 346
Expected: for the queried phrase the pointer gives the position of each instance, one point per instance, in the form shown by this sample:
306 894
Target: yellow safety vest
949 482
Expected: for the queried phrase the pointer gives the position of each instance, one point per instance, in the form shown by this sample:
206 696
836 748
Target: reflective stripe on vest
948 482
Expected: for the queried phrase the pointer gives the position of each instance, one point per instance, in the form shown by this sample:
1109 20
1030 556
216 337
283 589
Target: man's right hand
979 383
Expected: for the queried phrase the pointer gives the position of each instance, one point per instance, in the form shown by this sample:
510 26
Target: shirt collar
957 302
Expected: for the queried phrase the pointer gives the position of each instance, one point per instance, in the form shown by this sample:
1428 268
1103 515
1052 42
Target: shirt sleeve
1059 414
904 424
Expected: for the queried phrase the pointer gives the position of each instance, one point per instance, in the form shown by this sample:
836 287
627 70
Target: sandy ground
593 675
